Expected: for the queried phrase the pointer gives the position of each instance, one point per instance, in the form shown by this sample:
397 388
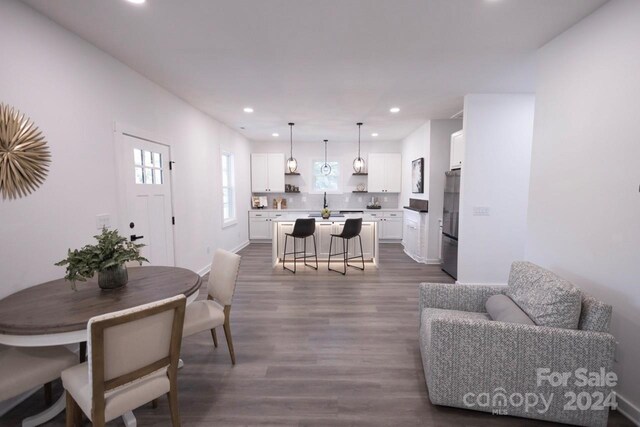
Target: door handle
133 237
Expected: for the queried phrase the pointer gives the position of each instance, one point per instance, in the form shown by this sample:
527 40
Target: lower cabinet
260 228
415 235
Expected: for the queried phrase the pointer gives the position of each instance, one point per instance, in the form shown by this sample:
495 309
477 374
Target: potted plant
107 258
326 213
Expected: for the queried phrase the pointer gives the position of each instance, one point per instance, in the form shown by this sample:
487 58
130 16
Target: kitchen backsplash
335 201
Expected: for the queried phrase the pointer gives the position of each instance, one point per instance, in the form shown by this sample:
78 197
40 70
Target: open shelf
292 191
292 173
356 191
360 173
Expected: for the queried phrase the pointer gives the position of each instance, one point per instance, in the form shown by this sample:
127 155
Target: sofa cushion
546 298
595 315
501 308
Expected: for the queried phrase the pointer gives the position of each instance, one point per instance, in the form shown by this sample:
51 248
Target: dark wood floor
313 349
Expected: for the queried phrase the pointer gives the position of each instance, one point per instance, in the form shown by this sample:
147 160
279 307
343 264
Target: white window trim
233 220
312 185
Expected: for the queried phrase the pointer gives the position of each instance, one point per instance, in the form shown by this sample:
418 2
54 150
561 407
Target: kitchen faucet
325 204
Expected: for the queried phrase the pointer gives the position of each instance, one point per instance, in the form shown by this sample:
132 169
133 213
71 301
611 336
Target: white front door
147 216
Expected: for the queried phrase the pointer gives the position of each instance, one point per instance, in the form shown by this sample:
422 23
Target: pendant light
326 168
358 162
292 164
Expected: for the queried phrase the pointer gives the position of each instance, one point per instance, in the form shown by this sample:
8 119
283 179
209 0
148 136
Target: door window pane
157 176
137 157
147 158
148 176
139 178
157 160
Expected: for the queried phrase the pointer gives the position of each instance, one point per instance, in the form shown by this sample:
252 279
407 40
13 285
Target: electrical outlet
360 199
386 199
304 199
208 250
346 199
103 221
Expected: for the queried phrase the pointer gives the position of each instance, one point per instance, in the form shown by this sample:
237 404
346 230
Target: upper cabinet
385 173
267 173
457 150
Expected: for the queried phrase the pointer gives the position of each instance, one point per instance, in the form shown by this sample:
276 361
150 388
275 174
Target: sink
333 215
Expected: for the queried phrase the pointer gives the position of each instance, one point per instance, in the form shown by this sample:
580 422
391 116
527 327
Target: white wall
414 146
498 132
74 93
439 153
584 204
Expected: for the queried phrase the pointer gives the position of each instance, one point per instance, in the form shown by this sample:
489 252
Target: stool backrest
304 227
352 228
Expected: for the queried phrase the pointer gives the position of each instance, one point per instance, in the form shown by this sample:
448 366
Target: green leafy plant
325 212
112 250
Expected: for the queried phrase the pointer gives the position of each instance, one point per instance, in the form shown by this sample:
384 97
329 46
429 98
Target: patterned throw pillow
547 299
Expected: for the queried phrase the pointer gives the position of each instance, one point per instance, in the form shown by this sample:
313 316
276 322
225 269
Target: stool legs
296 252
345 254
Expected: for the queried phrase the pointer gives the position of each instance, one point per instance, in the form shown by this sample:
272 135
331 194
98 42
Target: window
329 183
148 167
228 190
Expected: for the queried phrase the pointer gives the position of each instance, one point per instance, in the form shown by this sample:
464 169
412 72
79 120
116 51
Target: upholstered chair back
129 344
223 275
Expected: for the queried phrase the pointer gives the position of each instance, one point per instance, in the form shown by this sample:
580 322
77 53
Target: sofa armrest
478 356
450 296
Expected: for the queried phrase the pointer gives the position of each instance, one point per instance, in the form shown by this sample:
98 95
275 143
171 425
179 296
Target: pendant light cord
291 139
359 126
325 151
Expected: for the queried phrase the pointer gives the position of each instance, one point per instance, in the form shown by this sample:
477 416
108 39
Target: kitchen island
324 229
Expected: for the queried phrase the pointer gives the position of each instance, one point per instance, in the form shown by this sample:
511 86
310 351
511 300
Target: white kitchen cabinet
389 224
323 238
260 226
457 150
267 173
385 173
416 232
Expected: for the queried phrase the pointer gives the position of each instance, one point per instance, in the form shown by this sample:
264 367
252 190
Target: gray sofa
474 362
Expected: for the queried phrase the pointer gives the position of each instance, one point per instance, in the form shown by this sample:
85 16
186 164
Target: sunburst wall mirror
24 154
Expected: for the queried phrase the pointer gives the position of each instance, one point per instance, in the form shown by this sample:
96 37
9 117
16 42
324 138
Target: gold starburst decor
24 154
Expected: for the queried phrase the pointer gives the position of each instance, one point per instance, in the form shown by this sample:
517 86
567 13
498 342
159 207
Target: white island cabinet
324 229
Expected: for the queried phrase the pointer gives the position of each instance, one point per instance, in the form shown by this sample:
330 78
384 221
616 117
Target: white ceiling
325 64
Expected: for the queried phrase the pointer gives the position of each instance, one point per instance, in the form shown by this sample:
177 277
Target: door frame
120 130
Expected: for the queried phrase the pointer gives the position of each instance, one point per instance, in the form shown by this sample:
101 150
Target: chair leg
295 264
154 403
227 333
330 248
345 250
215 337
284 254
315 250
172 396
74 413
48 396
361 251
71 411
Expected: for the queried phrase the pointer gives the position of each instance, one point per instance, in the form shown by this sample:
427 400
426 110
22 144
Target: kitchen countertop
332 210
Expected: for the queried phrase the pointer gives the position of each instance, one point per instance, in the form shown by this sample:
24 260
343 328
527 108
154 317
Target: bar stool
351 229
303 228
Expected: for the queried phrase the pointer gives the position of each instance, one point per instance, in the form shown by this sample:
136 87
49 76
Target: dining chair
215 310
25 368
132 359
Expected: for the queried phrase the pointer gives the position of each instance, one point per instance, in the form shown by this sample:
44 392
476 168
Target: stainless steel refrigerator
450 216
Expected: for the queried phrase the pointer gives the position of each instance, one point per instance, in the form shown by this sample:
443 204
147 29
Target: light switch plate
103 221
481 211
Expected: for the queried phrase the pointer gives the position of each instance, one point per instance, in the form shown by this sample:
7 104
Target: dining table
53 313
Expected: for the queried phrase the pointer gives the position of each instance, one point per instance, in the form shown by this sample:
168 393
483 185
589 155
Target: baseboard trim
433 261
206 269
628 409
415 258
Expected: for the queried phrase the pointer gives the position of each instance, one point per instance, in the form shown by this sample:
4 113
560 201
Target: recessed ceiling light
136 1
394 110
275 134
248 110
374 134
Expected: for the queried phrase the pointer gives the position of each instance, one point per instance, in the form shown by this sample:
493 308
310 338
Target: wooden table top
54 307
